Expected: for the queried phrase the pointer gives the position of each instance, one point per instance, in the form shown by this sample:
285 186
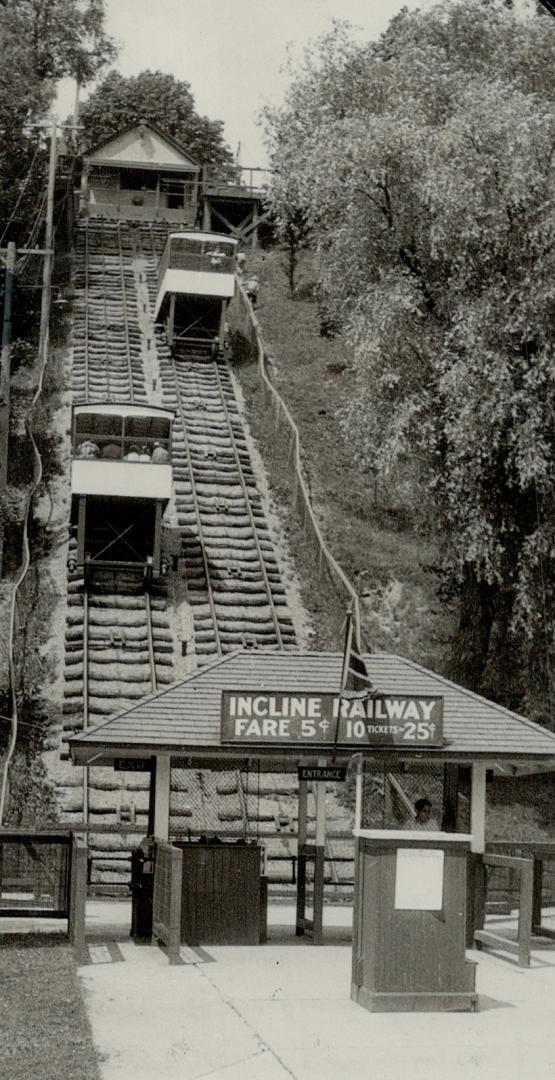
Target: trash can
142 889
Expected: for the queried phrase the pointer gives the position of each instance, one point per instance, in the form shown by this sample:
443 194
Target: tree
120 102
42 41
424 163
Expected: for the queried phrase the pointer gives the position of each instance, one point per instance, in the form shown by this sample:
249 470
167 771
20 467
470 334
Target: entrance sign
322 772
411 720
419 879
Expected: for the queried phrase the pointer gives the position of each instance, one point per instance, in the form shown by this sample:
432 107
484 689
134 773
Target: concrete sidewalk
283 1010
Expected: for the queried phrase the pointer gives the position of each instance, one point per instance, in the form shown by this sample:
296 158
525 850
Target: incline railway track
233 581
119 640
107 359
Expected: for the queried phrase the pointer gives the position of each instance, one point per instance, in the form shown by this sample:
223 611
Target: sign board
322 772
407 720
132 764
419 879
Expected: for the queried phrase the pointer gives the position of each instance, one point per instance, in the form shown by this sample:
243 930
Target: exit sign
132 764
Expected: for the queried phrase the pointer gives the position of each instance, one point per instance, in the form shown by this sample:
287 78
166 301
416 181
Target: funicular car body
196 281
121 482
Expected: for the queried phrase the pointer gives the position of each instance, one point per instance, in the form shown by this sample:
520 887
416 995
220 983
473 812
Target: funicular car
196 281
121 482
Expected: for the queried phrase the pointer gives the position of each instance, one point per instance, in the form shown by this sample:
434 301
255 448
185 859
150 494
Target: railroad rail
233 581
119 642
107 360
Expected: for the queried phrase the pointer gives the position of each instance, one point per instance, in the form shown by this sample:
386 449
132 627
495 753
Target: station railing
524 871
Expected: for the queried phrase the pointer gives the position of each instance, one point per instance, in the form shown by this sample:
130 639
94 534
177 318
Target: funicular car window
143 435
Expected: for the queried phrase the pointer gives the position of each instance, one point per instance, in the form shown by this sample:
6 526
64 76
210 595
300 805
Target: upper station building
143 174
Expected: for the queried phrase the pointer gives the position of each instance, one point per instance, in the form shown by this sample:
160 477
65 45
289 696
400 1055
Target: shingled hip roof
185 717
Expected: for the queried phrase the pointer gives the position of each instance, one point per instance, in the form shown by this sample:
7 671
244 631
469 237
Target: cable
26 723
23 573
35 228
21 193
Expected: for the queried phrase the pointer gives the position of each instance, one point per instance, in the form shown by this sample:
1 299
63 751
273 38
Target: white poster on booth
419 879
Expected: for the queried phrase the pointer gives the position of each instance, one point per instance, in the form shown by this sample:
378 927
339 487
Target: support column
254 234
84 194
156 549
222 324
449 822
206 216
171 320
151 794
319 861
162 797
359 782
476 876
478 808
301 862
81 531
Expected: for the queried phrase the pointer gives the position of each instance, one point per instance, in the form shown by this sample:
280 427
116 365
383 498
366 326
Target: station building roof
142 146
185 717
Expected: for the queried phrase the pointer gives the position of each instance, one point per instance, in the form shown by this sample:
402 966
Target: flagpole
347 648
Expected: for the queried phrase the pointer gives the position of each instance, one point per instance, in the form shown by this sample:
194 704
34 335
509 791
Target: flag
354 676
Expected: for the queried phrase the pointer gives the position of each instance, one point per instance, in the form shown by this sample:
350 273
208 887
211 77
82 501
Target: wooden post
157 538
171 320
450 798
151 794
476 872
478 808
81 523
206 215
318 914
84 194
359 780
162 797
78 898
301 864
222 325
254 234
537 894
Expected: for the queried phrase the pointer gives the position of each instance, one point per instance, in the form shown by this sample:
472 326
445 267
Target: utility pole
5 366
9 274
48 249
42 355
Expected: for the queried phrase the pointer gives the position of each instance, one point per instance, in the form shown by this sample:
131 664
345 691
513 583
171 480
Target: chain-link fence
390 794
206 802
34 873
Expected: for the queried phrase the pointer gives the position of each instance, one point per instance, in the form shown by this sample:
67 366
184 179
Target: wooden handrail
333 565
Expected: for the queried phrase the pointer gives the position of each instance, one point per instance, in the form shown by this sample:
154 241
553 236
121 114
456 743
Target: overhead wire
21 193
37 477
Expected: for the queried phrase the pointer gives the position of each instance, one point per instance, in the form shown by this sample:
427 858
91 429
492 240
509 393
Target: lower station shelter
413 738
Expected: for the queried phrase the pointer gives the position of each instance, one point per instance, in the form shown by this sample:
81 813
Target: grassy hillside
387 555
369 528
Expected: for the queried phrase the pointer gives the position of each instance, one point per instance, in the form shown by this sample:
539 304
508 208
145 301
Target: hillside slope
376 537
371 529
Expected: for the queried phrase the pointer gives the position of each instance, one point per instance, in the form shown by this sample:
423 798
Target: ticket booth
409 925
